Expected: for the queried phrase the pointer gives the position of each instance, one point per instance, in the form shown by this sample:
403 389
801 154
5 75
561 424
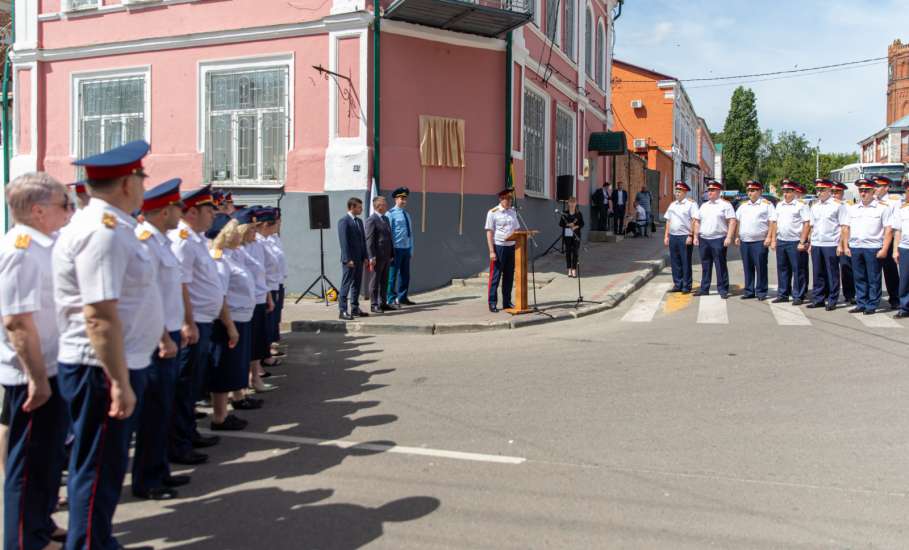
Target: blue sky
706 38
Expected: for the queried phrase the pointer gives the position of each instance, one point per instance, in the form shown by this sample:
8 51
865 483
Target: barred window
568 30
601 49
534 142
552 20
588 44
564 144
246 126
111 113
82 4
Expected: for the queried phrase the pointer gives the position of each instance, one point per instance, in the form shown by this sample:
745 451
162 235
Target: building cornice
331 23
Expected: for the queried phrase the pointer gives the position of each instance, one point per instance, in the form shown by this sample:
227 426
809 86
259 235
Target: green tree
789 156
741 139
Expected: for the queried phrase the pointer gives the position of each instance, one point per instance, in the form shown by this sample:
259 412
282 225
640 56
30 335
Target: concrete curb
611 300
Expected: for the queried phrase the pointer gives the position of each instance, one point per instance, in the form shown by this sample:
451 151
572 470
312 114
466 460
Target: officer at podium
501 222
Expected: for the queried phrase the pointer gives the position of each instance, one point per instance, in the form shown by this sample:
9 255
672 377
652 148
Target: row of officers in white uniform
115 326
849 244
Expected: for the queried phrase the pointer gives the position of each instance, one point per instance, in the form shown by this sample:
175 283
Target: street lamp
817 160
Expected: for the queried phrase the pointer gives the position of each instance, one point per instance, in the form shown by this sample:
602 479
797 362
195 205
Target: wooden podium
520 271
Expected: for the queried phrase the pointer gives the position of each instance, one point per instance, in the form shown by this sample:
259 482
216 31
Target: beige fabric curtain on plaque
442 146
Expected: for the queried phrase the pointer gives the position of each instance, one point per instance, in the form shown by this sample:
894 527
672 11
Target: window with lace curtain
552 20
568 28
111 112
534 142
246 126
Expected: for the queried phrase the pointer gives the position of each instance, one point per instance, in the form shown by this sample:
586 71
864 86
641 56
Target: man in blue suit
352 236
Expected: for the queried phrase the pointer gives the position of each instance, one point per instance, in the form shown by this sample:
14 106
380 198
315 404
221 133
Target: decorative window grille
564 144
568 29
534 142
552 19
601 48
246 126
82 4
588 44
111 113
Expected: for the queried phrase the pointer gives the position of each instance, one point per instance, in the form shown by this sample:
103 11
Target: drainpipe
7 146
618 13
376 107
509 92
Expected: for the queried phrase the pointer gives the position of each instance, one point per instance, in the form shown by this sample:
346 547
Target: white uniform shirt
502 222
200 274
241 298
272 268
170 274
98 258
680 215
715 216
826 220
900 219
254 259
278 249
27 286
867 223
754 220
790 218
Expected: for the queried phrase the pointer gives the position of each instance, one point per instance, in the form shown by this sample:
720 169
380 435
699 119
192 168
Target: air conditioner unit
640 143
637 104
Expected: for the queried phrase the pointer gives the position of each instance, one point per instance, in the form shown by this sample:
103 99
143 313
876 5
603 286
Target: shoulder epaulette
109 220
850 202
145 235
766 201
801 201
837 201
495 209
184 234
905 204
882 201
23 241
216 253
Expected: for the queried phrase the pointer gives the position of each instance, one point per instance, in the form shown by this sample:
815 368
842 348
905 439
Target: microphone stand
581 299
533 270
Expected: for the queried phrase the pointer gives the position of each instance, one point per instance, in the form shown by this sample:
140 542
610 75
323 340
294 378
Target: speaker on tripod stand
564 191
319 218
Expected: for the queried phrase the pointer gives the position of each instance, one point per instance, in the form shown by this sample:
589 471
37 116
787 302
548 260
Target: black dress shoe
344 316
813 305
246 404
686 291
157 493
674 290
493 309
830 307
376 309
191 458
868 312
200 415
852 301
359 313
857 310
798 302
175 481
231 424
407 302
780 300
761 298
901 314
508 306
724 296
390 307
204 441
748 297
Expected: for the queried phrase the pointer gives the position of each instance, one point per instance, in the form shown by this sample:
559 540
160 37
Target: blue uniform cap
882 181
266 214
165 194
400 192
243 216
119 161
217 225
197 197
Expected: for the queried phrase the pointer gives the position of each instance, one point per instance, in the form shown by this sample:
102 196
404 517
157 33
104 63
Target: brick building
897 82
891 144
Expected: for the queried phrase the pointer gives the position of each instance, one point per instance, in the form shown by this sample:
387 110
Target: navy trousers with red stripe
99 456
501 269
34 467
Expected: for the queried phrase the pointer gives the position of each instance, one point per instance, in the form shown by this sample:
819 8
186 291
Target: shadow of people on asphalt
272 518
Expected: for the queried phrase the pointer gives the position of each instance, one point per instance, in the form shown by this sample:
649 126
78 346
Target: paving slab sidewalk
610 273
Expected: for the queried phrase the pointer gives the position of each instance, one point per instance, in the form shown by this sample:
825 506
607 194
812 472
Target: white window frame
556 37
573 141
547 129
573 24
76 80
276 60
601 68
589 55
67 6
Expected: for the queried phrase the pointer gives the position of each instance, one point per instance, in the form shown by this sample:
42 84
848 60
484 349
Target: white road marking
647 304
787 314
878 320
712 310
378 447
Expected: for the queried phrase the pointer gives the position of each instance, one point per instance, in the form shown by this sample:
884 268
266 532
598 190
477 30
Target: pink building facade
275 101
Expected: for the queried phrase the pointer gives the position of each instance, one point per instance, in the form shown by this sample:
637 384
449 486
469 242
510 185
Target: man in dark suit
352 236
598 203
380 250
619 201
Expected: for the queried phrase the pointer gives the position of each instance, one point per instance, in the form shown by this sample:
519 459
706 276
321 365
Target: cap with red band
823 183
79 187
789 184
754 185
682 186
165 194
198 197
121 161
714 185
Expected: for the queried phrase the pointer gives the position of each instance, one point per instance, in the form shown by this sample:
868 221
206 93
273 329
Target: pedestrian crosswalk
653 300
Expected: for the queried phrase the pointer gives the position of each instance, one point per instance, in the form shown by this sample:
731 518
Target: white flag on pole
372 194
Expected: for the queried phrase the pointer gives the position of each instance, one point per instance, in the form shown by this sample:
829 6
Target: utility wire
785 77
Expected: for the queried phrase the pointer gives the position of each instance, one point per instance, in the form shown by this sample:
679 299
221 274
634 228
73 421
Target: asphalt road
597 433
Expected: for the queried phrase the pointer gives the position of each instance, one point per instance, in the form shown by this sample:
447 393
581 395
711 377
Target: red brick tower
897 82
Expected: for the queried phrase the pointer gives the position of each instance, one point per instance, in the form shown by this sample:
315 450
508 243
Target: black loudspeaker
564 187
319 215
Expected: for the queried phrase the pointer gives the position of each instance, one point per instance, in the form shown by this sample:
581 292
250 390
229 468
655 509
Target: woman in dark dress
572 221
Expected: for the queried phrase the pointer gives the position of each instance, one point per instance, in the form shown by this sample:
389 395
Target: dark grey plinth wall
440 253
